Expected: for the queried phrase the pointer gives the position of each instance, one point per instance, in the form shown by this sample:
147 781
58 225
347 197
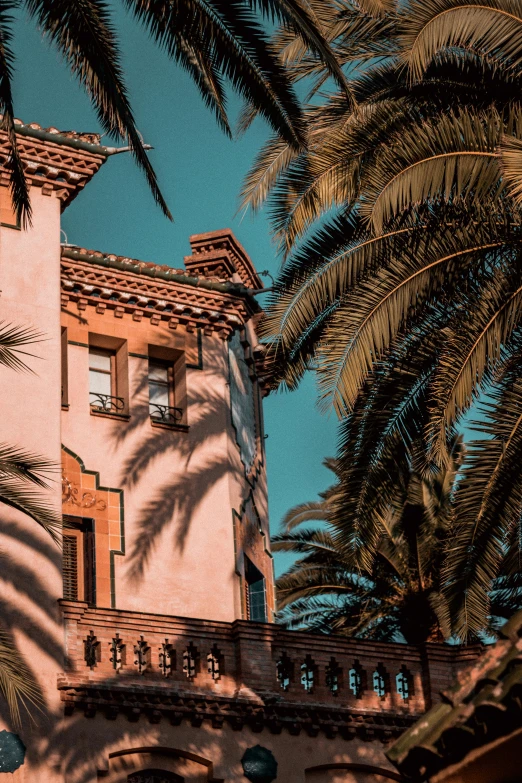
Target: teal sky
200 172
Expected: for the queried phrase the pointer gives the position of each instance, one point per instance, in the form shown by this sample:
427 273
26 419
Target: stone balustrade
176 668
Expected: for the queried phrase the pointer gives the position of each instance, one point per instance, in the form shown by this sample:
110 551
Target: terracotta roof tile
484 704
87 138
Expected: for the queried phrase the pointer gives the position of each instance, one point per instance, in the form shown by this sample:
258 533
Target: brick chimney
218 254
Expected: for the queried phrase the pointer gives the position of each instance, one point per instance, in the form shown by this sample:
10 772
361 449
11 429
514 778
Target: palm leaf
472 350
271 161
237 48
488 504
304 512
17 683
362 328
492 27
452 157
511 162
18 187
16 494
12 340
83 34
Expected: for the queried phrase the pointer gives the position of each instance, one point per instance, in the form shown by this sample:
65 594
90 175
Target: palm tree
412 286
217 42
22 477
399 598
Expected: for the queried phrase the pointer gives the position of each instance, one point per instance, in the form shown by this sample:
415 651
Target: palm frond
487 506
17 683
362 328
304 512
18 188
472 350
83 34
452 157
511 162
271 161
16 494
12 340
236 45
492 27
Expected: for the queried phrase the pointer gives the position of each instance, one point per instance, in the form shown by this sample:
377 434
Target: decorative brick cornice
55 162
157 703
219 254
143 290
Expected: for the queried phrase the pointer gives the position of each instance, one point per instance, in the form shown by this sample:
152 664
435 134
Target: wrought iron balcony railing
165 413
105 403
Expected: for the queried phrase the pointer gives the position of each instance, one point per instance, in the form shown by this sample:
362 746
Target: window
65 392
255 593
102 382
78 560
161 393
101 371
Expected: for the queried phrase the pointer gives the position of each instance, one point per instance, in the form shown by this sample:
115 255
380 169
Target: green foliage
399 596
217 42
400 227
23 476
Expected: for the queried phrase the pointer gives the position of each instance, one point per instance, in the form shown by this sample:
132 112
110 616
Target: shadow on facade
30 569
191 462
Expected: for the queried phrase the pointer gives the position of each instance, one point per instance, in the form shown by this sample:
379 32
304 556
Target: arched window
154 776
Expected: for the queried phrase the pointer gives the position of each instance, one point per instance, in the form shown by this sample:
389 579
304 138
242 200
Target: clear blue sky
200 172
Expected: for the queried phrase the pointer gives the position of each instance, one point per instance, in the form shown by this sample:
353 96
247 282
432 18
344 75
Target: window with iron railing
103 392
162 393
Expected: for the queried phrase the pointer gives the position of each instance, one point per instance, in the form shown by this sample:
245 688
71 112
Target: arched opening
154 776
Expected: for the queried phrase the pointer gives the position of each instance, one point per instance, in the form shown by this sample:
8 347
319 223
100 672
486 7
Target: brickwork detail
254 674
52 167
125 291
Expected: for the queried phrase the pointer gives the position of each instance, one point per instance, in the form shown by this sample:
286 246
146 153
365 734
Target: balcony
165 414
154 667
105 403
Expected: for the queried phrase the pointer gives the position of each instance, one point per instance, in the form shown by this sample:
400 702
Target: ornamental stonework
50 164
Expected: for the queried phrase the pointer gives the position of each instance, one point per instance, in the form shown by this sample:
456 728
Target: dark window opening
65 391
78 561
255 593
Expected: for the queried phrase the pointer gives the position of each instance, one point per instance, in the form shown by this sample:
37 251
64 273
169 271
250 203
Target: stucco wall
30 572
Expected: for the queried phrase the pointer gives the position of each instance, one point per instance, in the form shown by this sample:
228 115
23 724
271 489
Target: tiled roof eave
134 267
62 139
484 705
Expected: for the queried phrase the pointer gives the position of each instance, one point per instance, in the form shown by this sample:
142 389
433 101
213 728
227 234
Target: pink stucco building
151 632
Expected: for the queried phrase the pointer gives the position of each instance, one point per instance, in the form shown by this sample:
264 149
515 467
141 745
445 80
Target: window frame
253 576
93 349
117 349
174 360
65 368
169 384
82 530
